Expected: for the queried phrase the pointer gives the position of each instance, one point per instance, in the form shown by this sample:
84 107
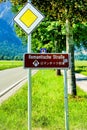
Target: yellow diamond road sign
28 18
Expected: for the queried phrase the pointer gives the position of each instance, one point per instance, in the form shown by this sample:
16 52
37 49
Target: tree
71 11
80 34
69 37
56 29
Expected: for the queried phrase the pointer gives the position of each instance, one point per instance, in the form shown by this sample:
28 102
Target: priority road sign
28 18
56 60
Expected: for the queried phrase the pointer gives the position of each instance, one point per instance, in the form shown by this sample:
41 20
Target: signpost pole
28 18
29 87
66 101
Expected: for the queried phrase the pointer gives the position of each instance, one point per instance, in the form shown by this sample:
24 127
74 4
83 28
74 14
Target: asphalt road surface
81 81
9 77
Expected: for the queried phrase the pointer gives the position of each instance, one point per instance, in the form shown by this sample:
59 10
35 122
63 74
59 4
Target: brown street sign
56 60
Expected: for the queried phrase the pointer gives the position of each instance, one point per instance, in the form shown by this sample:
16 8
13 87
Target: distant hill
6 13
10 45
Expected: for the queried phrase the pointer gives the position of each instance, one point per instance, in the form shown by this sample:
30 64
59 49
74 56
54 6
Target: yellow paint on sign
28 18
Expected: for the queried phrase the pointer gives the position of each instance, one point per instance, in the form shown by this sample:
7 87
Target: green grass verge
13 112
10 64
47 106
81 67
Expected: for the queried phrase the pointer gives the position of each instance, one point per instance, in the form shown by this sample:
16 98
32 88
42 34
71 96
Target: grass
49 97
10 64
81 67
47 106
13 113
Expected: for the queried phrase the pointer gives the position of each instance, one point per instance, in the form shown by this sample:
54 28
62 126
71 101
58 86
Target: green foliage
18 2
16 8
49 34
21 34
56 29
80 34
45 36
60 9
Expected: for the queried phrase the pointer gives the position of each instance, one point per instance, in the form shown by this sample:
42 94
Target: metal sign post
28 18
66 101
29 87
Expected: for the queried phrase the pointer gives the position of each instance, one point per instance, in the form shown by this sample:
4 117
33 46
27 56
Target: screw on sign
59 60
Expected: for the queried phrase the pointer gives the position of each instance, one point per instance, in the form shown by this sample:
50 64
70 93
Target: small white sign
28 18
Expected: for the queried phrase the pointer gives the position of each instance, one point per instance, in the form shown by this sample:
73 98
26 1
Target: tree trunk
58 71
70 49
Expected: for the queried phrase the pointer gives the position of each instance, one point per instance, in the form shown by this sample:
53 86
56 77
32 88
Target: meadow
81 67
47 106
6 64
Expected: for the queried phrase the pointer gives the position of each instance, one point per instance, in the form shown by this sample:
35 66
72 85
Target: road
12 77
81 81
11 80
9 77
